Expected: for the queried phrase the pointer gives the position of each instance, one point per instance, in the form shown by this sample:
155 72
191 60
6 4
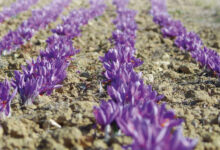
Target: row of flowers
187 41
134 106
47 72
40 19
16 8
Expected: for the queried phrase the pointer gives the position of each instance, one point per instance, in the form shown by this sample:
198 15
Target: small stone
85 74
159 63
64 116
116 147
37 42
190 94
85 106
184 69
74 92
194 123
50 123
207 138
167 41
166 57
83 62
202 96
100 144
67 136
1 132
171 74
216 44
150 78
16 55
3 63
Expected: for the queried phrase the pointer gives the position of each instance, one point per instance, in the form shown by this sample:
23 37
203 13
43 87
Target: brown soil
194 95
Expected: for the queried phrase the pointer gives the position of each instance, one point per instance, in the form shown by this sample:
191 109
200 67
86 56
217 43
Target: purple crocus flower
39 19
132 102
203 56
59 47
121 38
25 33
147 136
67 30
173 29
118 56
15 8
189 41
106 113
97 8
27 88
47 72
39 77
159 116
5 99
53 72
128 87
170 27
158 5
207 58
120 3
151 127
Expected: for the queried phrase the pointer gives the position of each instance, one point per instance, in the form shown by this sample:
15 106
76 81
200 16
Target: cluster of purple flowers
15 8
47 72
133 105
188 41
5 99
39 19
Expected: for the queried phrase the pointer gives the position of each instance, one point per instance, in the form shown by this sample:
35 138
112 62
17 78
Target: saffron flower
133 105
189 41
39 19
39 77
128 87
106 113
147 136
28 89
59 47
16 8
5 99
159 116
173 28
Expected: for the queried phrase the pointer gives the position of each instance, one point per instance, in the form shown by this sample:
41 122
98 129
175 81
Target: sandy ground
191 92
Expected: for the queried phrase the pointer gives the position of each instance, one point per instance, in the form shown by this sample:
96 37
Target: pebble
3 63
64 115
167 41
171 74
1 132
116 147
149 78
202 96
71 135
100 144
47 124
185 69
166 57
